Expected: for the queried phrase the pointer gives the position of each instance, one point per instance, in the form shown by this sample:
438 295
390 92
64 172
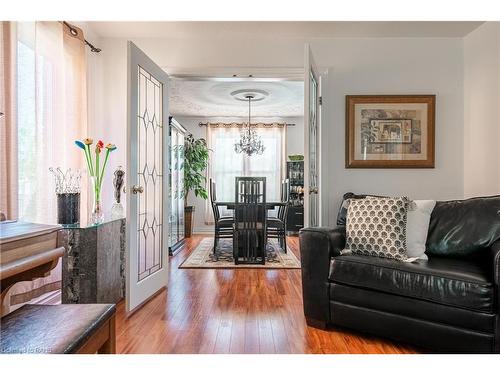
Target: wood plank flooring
234 311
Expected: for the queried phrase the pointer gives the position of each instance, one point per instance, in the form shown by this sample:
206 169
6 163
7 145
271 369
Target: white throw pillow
417 226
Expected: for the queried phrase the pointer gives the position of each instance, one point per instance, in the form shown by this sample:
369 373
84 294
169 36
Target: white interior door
312 124
147 171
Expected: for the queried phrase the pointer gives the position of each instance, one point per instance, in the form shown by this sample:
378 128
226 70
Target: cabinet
176 183
295 216
93 265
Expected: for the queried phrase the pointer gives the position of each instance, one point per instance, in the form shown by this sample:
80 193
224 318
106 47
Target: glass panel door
313 150
180 201
147 164
174 187
311 142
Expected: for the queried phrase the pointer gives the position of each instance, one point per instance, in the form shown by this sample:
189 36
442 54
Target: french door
147 175
312 95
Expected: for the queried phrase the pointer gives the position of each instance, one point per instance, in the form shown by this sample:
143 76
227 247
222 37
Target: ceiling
214 98
256 29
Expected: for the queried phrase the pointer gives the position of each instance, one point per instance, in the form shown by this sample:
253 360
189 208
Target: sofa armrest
495 256
317 246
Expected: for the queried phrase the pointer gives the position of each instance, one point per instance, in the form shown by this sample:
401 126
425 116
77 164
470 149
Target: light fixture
250 143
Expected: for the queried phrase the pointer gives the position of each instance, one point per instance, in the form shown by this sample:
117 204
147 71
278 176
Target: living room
297 187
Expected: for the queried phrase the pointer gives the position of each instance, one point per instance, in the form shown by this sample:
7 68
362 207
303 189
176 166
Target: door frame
160 281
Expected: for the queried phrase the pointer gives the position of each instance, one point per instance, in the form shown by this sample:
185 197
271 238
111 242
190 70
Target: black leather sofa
449 303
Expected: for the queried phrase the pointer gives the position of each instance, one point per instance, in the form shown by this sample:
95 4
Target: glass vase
97 213
117 211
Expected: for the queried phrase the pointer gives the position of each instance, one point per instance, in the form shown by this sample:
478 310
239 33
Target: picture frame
390 131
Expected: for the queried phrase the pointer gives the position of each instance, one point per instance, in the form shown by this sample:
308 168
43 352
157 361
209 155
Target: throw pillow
417 226
377 227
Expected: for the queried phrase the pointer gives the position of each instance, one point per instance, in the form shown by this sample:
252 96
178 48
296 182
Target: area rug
203 256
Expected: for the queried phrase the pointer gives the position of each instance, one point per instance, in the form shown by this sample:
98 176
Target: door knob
313 190
137 189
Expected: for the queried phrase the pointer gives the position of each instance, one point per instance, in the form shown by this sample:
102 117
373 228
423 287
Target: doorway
154 278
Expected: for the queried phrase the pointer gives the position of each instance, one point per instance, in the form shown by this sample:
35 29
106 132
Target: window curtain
52 113
225 164
51 95
8 128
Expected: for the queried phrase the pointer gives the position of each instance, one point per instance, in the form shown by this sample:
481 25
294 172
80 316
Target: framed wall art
390 131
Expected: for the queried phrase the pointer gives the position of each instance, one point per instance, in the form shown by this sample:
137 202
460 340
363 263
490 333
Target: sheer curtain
49 86
8 129
225 164
52 112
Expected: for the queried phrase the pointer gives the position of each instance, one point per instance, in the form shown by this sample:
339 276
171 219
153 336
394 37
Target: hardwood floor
234 311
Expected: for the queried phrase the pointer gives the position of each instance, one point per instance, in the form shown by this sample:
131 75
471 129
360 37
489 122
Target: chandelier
250 143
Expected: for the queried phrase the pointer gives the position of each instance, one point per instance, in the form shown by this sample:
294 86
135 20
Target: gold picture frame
390 131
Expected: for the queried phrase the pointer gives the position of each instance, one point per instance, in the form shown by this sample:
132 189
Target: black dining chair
276 226
223 225
249 236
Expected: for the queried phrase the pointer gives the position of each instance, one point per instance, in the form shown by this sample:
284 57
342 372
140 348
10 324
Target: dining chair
276 226
249 236
223 225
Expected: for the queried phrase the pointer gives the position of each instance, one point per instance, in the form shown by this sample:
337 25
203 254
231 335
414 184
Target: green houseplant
195 164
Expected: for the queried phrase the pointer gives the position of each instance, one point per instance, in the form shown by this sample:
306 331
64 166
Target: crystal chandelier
250 143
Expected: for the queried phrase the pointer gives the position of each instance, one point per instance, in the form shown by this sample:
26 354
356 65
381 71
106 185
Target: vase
97 214
117 211
68 208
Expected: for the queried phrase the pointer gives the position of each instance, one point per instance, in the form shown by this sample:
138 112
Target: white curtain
51 113
51 96
225 164
8 124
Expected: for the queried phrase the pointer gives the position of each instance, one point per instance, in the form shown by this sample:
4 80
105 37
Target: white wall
294 145
359 66
482 111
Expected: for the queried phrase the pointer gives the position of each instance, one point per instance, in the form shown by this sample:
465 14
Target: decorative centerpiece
67 188
117 211
96 173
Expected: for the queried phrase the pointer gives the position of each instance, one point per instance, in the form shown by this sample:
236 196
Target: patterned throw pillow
377 227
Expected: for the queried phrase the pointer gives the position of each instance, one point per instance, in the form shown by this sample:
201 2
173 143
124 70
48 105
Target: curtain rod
242 124
74 32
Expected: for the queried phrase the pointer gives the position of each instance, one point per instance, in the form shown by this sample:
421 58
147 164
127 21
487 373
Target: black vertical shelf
295 175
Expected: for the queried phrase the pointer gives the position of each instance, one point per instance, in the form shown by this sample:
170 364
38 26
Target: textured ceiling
214 99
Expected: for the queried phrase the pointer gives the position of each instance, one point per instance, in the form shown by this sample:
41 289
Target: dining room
248 199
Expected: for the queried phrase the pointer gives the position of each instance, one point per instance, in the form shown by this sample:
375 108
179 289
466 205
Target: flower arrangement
96 172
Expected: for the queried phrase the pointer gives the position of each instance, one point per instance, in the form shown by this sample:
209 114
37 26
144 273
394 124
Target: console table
93 266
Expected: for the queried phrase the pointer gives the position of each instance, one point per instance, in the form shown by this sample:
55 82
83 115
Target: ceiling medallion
250 143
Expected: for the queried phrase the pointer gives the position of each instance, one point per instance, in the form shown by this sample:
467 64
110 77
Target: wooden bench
60 329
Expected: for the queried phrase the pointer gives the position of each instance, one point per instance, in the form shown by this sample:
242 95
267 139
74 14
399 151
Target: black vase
68 208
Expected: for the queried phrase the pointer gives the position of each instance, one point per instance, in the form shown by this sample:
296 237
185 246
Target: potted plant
195 164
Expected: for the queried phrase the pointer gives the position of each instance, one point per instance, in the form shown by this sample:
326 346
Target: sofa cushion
448 281
464 228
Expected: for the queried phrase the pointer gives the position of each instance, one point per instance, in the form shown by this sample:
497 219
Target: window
226 164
